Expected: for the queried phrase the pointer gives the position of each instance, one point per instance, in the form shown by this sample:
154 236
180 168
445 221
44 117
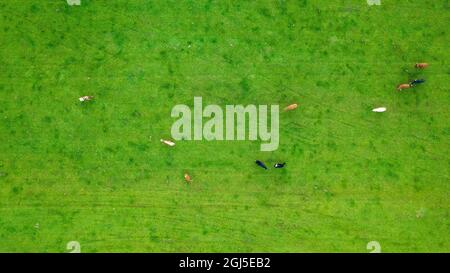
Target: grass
96 172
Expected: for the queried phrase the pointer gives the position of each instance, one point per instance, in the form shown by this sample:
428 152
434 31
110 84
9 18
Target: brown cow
291 107
404 86
421 65
187 178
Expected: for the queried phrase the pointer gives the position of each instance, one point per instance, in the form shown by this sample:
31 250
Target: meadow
96 172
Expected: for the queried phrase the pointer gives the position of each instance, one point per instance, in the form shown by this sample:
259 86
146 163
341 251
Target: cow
404 86
86 98
262 165
187 178
291 107
167 142
421 65
416 82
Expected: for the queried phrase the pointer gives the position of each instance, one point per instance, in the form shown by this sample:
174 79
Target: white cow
379 109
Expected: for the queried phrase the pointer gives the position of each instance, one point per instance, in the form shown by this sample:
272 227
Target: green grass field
96 172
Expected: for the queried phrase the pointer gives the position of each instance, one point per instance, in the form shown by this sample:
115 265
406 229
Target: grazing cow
404 86
167 142
421 65
291 107
86 98
416 82
379 109
187 178
262 165
279 165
